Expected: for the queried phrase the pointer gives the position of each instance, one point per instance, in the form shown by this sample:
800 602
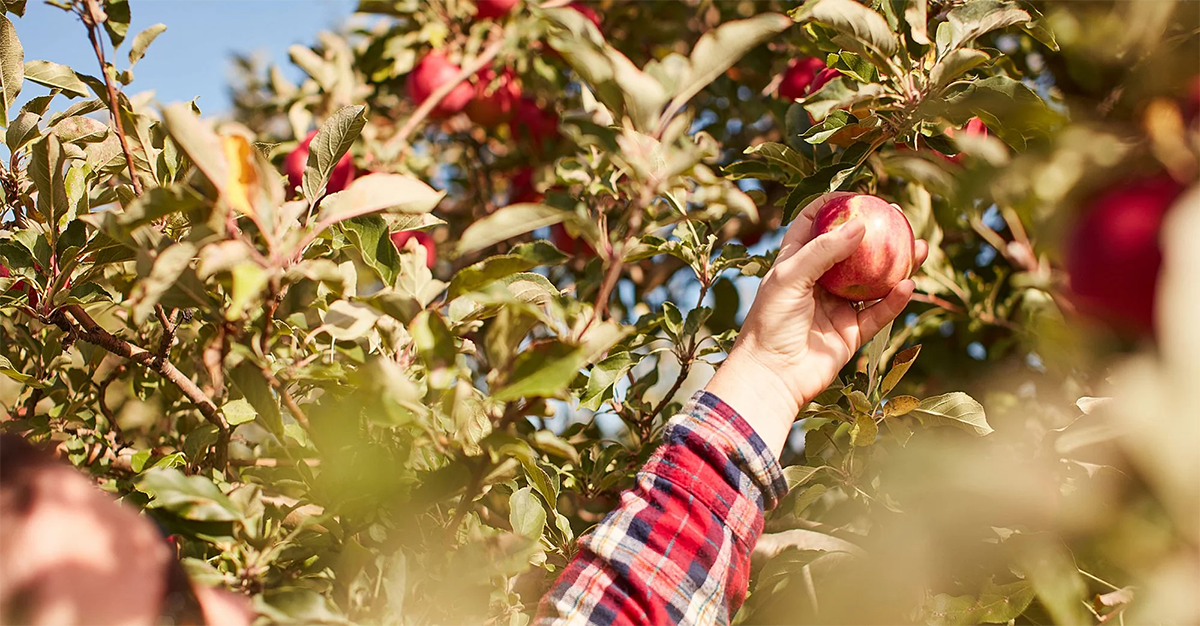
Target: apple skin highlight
881 261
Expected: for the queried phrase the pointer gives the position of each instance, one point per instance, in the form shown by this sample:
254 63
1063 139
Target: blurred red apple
430 73
293 166
495 99
570 245
1113 254
534 123
421 238
492 9
974 126
800 73
23 286
521 188
881 261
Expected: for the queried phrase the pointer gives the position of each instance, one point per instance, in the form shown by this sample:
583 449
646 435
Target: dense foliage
389 371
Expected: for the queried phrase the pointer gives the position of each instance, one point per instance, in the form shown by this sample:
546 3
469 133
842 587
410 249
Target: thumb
822 252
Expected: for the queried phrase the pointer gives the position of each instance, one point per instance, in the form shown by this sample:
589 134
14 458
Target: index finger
799 232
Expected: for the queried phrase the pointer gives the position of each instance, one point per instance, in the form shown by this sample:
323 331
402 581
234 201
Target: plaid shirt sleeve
677 549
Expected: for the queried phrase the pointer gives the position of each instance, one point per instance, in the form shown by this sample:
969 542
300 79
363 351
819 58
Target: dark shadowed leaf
190 497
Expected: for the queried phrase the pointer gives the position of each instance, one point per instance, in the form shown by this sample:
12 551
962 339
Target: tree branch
94 334
92 20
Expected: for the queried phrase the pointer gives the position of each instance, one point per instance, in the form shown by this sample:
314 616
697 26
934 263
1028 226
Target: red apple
430 73
570 245
1113 254
421 238
495 99
881 261
974 126
800 73
492 9
534 123
822 78
521 188
22 286
293 166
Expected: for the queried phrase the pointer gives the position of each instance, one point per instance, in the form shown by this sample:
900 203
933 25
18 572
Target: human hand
797 337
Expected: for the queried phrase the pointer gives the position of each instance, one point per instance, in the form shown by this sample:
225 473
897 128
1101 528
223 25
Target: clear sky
192 58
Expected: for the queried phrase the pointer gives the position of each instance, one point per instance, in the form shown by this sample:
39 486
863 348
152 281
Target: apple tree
381 344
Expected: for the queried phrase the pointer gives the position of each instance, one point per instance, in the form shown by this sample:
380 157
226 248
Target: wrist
759 395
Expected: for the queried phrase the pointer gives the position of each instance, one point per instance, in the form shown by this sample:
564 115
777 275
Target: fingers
920 253
873 318
800 231
816 257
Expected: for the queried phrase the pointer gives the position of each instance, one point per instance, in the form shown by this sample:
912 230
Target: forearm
677 550
745 385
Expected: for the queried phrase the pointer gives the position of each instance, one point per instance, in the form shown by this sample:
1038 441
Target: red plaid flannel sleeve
677 549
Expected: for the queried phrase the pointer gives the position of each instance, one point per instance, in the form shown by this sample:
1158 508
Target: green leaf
164 274
506 223
1051 571
828 127
46 168
12 69
546 370
797 475
717 50
198 141
57 77
523 257
915 15
996 604
394 193
238 412
190 497
331 142
792 162
249 380
349 321
526 514
6 368
850 18
953 409
21 131
874 354
864 431
603 376
370 236
900 364
955 64
117 24
16 7
807 497
970 20
142 41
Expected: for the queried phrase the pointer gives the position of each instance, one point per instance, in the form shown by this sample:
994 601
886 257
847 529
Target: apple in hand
495 99
429 74
883 259
1113 255
293 166
492 9
420 239
800 73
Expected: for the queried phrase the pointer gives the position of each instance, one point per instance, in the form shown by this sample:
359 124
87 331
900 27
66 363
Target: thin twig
288 400
399 142
169 326
92 19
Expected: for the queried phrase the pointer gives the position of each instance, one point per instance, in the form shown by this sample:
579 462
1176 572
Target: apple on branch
429 74
493 9
419 239
800 73
295 162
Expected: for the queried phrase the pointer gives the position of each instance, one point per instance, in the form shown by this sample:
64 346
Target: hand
797 336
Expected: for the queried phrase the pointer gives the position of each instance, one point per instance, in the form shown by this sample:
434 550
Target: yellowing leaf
242 174
900 405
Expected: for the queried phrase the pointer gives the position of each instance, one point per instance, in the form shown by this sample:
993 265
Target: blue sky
192 58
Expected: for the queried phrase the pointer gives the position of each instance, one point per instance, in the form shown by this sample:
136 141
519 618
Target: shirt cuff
731 444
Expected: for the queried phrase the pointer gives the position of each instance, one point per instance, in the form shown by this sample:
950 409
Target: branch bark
94 334
92 20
